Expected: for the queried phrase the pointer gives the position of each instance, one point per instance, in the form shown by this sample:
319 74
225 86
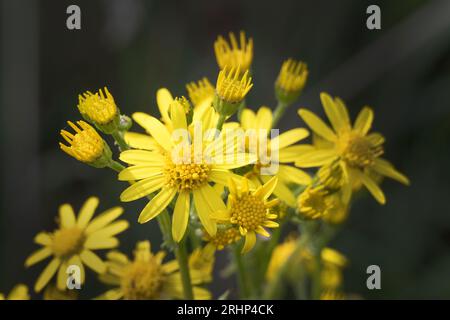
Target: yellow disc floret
233 54
67 241
249 212
98 107
359 151
223 237
85 144
315 202
186 176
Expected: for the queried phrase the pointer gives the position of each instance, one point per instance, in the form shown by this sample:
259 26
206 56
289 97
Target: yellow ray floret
356 150
234 54
146 277
19 292
74 242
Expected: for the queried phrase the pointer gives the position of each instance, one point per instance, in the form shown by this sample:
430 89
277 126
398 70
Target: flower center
249 212
186 176
143 280
359 151
67 241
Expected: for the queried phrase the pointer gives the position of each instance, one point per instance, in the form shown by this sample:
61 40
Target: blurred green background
135 47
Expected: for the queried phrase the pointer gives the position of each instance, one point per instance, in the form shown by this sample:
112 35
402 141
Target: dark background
135 47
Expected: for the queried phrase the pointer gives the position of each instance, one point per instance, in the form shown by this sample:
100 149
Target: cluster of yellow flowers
215 184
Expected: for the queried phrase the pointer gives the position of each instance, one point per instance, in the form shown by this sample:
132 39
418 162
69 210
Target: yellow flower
332 295
231 87
331 275
180 175
357 151
86 145
249 210
19 292
234 55
316 202
99 108
280 256
74 241
51 292
283 144
291 80
201 93
146 277
223 238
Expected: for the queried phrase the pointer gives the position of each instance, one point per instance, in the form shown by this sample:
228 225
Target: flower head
224 237
356 150
19 292
291 80
177 170
316 202
72 243
250 210
201 93
86 145
146 277
233 54
100 109
280 150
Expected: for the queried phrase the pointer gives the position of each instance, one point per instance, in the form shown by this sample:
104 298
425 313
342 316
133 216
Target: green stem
241 273
278 113
118 137
181 254
220 122
116 166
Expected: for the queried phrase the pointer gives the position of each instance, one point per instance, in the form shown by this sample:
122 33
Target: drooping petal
364 121
90 259
47 274
142 188
87 211
157 204
250 240
317 125
180 216
371 185
385 168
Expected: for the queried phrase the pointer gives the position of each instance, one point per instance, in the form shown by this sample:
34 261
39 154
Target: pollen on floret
234 54
200 91
98 107
231 87
249 212
85 144
186 176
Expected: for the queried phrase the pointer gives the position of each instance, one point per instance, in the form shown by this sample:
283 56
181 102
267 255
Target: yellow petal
90 259
293 175
385 168
342 113
141 157
164 99
140 172
282 192
19 292
38 256
364 121
101 243
110 230
315 158
87 211
288 138
157 204
155 128
332 112
61 278
291 153
201 293
233 161
140 141
47 274
178 116
117 257
103 219
180 216
250 240
270 224
66 216
43 238
317 125
248 119
260 230
266 190
264 119
142 188
206 202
